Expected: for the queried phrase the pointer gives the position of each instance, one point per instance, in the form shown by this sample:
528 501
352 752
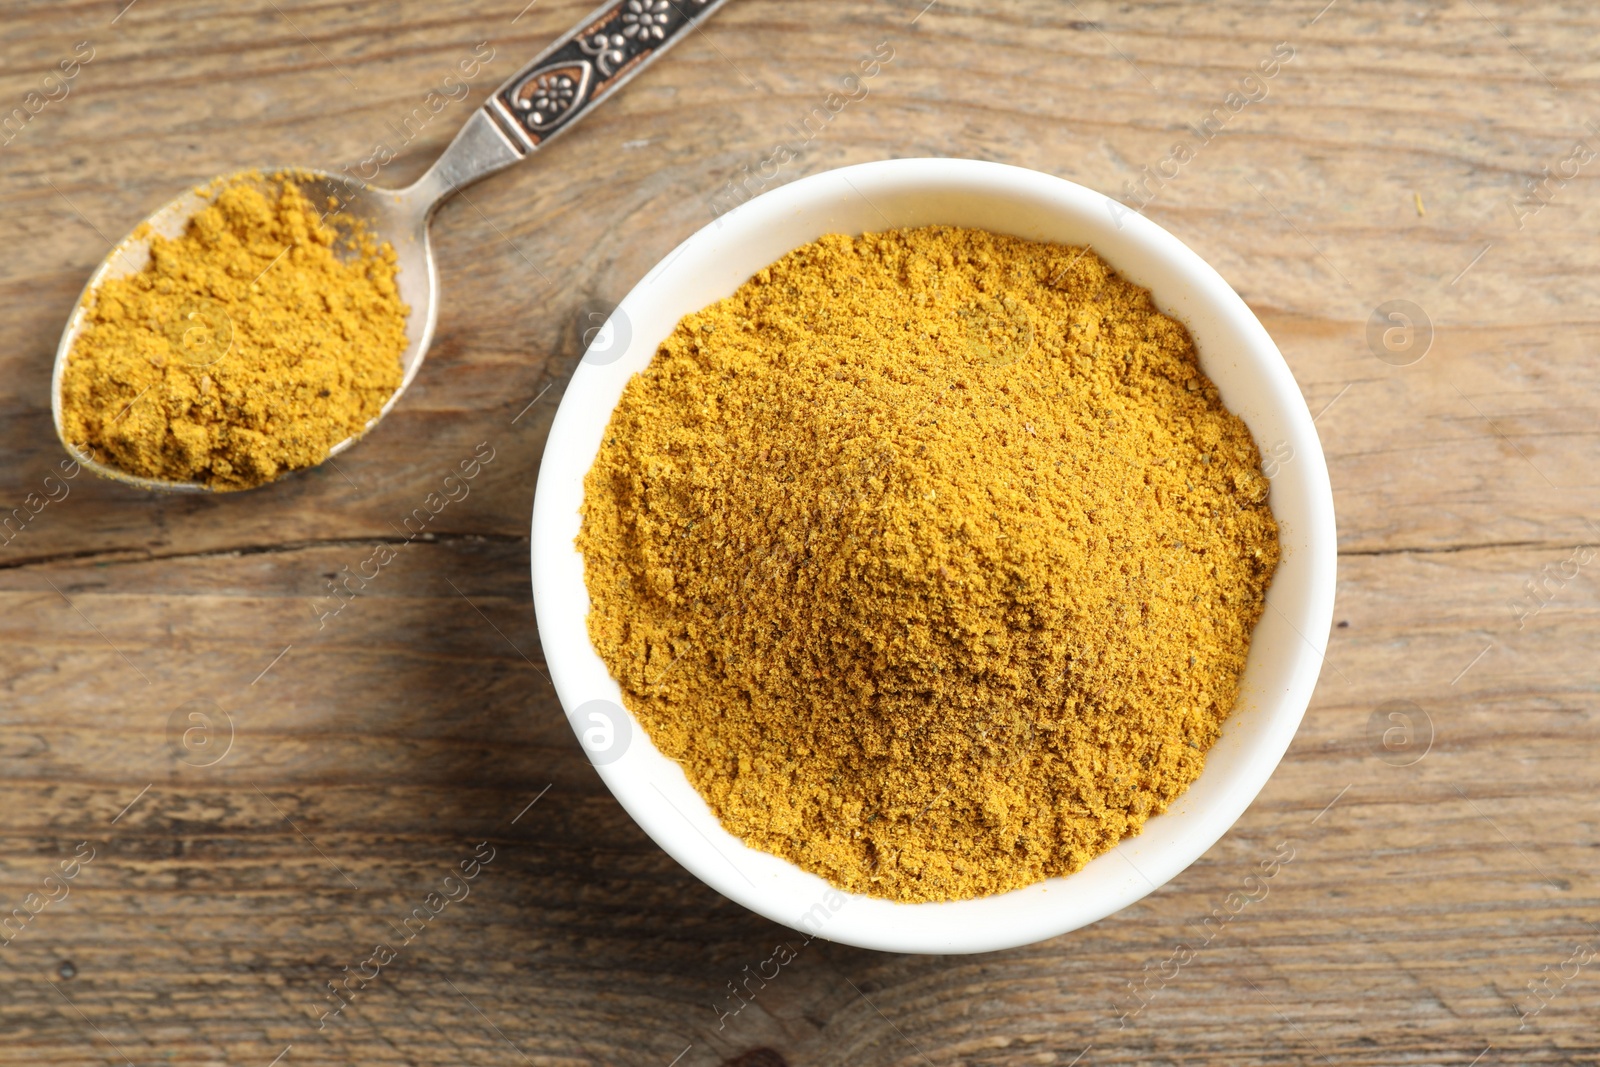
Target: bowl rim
986 923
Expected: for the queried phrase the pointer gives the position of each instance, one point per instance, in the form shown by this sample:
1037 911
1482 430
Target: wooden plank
370 752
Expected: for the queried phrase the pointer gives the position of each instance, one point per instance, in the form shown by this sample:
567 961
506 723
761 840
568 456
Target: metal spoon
561 85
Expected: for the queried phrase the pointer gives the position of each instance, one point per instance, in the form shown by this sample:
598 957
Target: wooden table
1442 860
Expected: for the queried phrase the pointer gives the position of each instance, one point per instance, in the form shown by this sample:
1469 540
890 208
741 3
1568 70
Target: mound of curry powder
247 347
932 556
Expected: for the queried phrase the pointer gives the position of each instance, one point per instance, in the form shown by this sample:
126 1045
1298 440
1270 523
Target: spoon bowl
397 217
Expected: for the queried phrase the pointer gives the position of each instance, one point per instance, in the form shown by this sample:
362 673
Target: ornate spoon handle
577 72
560 86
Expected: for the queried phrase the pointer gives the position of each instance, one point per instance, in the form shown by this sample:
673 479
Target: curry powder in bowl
933 558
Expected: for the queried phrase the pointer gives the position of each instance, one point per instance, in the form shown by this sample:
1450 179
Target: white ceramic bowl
1285 654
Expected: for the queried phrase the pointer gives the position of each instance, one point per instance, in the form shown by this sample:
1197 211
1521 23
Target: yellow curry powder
932 556
247 347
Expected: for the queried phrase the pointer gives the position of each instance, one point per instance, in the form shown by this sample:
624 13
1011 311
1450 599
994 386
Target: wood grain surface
1401 154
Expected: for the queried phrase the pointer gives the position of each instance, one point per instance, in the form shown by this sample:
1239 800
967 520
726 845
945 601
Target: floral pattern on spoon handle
580 70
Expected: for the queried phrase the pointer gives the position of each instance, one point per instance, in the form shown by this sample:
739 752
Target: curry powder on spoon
932 556
247 347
